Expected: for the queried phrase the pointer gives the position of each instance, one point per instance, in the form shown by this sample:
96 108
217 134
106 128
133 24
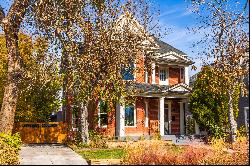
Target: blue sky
177 15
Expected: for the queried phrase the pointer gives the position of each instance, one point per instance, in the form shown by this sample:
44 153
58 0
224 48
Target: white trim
153 73
186 77
135 110
146 113
161 118
146 76
120 121
135 70
171 54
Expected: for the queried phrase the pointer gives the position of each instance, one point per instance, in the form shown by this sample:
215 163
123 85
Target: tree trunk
8 109
231 119
84 126
11 24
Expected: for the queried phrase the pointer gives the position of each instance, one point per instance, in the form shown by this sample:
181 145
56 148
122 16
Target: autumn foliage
160 153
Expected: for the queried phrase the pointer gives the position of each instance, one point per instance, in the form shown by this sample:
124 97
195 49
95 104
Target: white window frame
99 117
146 113
246 109
135 122
166 82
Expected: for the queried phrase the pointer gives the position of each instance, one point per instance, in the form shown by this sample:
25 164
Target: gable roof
161 52
165 47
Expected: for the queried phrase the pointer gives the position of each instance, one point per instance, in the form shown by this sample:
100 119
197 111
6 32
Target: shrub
158 153
9 149
97 140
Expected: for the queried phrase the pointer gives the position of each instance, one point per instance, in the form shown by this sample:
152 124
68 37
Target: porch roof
145 89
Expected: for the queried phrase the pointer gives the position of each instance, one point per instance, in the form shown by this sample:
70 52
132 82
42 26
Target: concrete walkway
49 154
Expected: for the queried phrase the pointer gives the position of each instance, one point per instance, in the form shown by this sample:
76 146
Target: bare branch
2 15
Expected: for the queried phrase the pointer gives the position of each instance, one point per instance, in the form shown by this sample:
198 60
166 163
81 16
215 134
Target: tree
109 46
227 44
39 86
11 25
208 108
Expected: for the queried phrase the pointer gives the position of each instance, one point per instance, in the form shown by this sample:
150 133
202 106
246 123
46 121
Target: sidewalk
49 154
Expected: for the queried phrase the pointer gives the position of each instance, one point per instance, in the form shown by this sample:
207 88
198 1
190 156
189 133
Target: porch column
120 120
182 127
162 116
186 75
153 73
146 113
146 76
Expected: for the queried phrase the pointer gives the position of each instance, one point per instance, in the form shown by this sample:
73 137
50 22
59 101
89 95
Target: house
161 103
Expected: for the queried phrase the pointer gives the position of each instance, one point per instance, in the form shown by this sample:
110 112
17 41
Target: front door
167 122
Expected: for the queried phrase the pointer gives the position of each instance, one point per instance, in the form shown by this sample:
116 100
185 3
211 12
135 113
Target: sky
177 15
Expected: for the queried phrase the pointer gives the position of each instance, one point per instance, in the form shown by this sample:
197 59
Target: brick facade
139 129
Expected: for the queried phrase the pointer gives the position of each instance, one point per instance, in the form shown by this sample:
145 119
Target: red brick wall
153 116
140 128
140 68
174 76
93 121
175 111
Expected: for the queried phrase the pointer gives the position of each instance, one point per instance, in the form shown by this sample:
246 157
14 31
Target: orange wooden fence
52 132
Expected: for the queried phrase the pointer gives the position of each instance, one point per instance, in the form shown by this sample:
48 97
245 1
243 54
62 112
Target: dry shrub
158 153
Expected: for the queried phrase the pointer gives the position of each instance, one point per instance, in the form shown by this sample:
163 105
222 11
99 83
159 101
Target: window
163 74
130 115
246 109
128 72
103 114
182 73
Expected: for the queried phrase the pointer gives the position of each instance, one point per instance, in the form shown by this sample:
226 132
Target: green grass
102 154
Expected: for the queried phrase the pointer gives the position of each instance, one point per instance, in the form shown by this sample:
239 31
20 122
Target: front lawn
102 153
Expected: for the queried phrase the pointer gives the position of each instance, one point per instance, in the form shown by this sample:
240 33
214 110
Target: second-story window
128 72
182 73
163 74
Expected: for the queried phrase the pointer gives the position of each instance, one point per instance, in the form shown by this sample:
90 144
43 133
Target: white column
197 130
146 113
161 116
153 73
182 127
146 76
120 120
186 75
